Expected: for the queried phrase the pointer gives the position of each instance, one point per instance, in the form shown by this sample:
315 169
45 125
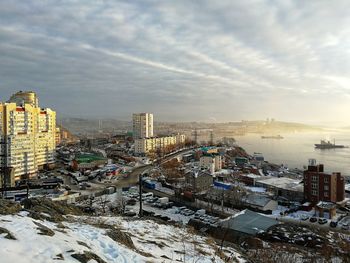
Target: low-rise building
198 181
87 161
326 209
246 223
320 186
211 162
260 202
287 188
241 161
58 136
146 145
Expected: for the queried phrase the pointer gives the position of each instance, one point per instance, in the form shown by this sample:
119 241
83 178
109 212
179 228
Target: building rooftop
326 205
257 200
88 158
197 173
249 222
283 183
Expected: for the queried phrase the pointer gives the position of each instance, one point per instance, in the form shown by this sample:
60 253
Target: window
314 192
314 185
314 178
326 194
326 187
326 180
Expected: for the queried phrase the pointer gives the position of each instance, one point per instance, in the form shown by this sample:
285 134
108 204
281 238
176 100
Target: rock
8 235
83 244
9 207
254 242
44 230
59 257
121 237
87 256
39 208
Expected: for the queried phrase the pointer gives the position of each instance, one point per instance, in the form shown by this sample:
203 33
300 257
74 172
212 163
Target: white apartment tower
27 135
142 125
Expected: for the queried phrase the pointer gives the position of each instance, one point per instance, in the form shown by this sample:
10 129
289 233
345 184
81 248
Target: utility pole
140 195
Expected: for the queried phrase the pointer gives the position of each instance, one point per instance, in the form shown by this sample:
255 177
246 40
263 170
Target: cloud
180 59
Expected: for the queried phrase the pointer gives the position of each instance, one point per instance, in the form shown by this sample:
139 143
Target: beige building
58 136
211 162
142 124
146 145
27 135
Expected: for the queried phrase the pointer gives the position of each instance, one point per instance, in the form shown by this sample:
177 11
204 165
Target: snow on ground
256 189
174 242
164 243
31 247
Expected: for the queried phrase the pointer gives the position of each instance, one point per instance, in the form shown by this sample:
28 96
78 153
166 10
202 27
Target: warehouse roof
249 222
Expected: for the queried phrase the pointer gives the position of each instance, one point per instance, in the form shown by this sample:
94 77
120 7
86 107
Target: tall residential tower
142 125
27 135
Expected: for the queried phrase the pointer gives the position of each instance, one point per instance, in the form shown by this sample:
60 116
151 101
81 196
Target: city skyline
213 62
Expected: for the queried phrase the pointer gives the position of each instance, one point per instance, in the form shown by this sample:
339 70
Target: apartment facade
142 125
211 162
146 145
320 186
27 135
199 181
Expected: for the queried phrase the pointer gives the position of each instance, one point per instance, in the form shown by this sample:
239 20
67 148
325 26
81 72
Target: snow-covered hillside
103 239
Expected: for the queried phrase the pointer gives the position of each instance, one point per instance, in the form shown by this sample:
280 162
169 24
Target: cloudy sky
182 60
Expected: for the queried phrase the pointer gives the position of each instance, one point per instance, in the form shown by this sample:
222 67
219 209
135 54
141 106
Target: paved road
133 177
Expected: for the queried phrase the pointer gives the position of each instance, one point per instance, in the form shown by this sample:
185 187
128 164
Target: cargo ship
272 137
328 145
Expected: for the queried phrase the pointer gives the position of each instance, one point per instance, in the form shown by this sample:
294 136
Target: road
133 177
131 180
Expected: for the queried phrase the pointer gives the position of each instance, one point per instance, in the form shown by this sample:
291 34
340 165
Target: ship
272 137
328 145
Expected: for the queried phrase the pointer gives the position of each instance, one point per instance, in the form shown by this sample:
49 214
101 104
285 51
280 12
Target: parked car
345 226
304 217
130 213
333 224
131 202
322 221
345 209
313 219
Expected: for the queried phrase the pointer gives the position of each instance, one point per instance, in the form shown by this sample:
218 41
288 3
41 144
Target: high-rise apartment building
27 135
142 125
320 186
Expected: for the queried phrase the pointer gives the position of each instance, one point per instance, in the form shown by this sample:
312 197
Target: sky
182 60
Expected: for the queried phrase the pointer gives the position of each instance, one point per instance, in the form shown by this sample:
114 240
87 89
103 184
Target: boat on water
328 145
272 137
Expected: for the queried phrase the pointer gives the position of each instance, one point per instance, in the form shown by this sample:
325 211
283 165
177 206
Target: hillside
82 238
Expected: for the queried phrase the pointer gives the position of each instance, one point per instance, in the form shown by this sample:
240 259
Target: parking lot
163 208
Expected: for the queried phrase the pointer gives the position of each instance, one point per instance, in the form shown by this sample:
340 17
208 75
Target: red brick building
319 186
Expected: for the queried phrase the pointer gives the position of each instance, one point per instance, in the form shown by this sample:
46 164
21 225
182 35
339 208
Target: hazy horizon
184 61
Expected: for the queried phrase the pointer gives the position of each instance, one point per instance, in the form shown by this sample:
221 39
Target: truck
149 184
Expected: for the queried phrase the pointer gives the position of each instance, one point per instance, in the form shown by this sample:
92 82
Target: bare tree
102 202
